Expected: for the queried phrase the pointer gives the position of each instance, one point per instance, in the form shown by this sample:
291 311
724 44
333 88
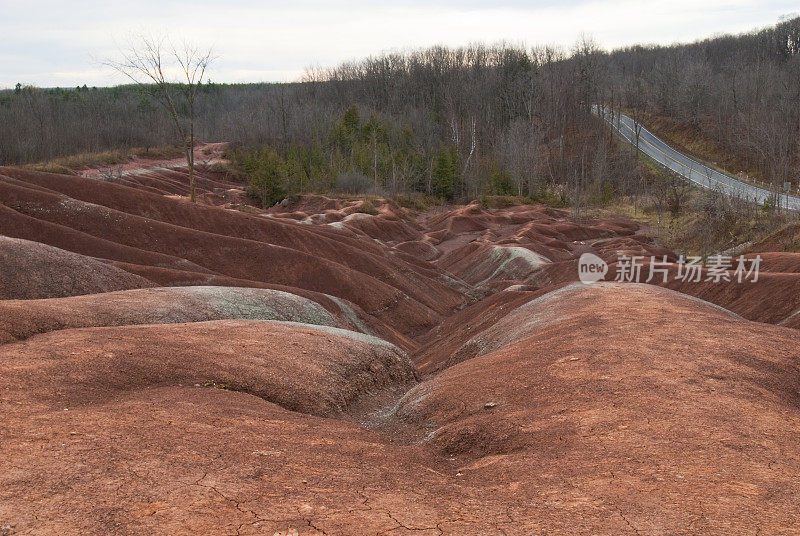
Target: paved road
695 172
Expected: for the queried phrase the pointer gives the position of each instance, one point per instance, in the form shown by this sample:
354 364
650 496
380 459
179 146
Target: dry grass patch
73 163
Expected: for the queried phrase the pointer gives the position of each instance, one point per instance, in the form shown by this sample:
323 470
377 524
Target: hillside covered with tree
454 123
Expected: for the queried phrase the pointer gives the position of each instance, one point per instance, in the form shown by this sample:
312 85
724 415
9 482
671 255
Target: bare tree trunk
471 149
146 63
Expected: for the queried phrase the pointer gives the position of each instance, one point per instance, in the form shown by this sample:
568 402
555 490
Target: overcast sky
61 43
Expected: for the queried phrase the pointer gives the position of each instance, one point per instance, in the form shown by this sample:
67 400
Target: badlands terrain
341 368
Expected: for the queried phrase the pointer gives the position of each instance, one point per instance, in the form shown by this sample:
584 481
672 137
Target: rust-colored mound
781 262
19 319
480 251
420 249
481 264
184 460
30 270
628 409
631 398
496 249
211 188
348 314
772 299
314 369
122 224
546 406
380 219
440 345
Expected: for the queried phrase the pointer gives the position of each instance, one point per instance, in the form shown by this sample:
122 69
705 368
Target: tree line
452 122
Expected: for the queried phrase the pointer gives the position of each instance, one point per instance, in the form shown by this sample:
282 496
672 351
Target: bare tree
155 60
471 148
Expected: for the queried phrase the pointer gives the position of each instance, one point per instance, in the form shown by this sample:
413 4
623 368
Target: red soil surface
337 366
33 270
204 154
624 403
20 319
119 223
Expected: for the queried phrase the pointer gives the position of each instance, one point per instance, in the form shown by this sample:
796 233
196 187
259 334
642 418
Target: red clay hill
349 367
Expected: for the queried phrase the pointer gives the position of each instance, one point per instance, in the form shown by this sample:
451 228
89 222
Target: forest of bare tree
458 122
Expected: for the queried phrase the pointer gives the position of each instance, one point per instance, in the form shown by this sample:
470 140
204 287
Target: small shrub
501 183
367 206
414 201
233 150
552 196
354 183
502 201
231 173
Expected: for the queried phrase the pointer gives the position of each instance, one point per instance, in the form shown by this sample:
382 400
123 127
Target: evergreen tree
443 175
501 181
266 170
